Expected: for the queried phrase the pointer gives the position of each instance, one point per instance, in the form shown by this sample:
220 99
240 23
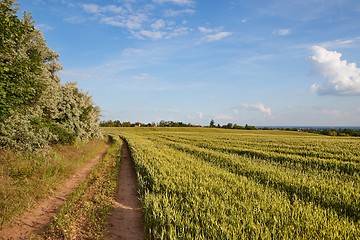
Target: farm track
127 220
34 221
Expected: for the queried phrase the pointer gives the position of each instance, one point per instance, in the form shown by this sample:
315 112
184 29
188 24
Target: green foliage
35 109
22 53
62 134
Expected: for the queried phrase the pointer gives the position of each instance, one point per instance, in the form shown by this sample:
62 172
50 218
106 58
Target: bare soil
32 223
127 220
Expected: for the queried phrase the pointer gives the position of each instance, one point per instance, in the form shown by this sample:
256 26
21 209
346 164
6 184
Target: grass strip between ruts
85 213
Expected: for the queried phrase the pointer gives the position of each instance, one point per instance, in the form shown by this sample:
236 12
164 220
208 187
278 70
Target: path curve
127 220
34 222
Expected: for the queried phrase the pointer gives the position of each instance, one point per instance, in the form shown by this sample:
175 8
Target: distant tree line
35 108
231 126
162 123
332 132
341 132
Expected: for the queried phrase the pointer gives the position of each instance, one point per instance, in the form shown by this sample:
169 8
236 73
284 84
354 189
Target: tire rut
34 222
127 219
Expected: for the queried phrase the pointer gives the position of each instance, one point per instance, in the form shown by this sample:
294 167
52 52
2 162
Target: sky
255 62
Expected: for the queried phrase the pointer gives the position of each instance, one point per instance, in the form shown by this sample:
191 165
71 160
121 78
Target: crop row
191 192
327 191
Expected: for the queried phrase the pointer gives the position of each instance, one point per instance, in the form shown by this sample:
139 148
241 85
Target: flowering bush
35 108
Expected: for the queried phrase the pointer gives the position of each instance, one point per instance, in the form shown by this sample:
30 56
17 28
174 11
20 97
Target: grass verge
27 178
85 213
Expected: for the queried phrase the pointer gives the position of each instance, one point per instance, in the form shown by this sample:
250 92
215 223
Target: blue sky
283 62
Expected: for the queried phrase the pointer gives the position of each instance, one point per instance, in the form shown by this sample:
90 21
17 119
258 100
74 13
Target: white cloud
44 27
221 116
341 78
75 20
158 24
154 35
218 36
282 32
175 13
259 107
142 77
206 30
177 32
76 75
341 43
67 3
197 116
213 34
138 19
158 35
114 9
91 8
130 22
176 2
94 8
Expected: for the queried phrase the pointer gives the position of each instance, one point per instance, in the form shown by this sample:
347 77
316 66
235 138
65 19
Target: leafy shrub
35 108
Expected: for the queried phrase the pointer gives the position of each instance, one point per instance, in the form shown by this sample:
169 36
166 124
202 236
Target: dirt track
127 221
33 222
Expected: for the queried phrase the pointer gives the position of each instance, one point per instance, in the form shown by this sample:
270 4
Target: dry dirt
34 222
127 220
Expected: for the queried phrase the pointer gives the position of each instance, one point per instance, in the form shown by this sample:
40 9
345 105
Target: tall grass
85 213
26 178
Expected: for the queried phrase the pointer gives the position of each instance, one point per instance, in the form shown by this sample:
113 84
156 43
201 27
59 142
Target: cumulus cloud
341 78
259 107
282 32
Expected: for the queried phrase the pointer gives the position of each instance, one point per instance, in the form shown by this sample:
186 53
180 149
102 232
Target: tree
212 123
22 81
35 109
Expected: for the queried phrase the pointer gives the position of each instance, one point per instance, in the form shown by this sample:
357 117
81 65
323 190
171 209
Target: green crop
219 184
